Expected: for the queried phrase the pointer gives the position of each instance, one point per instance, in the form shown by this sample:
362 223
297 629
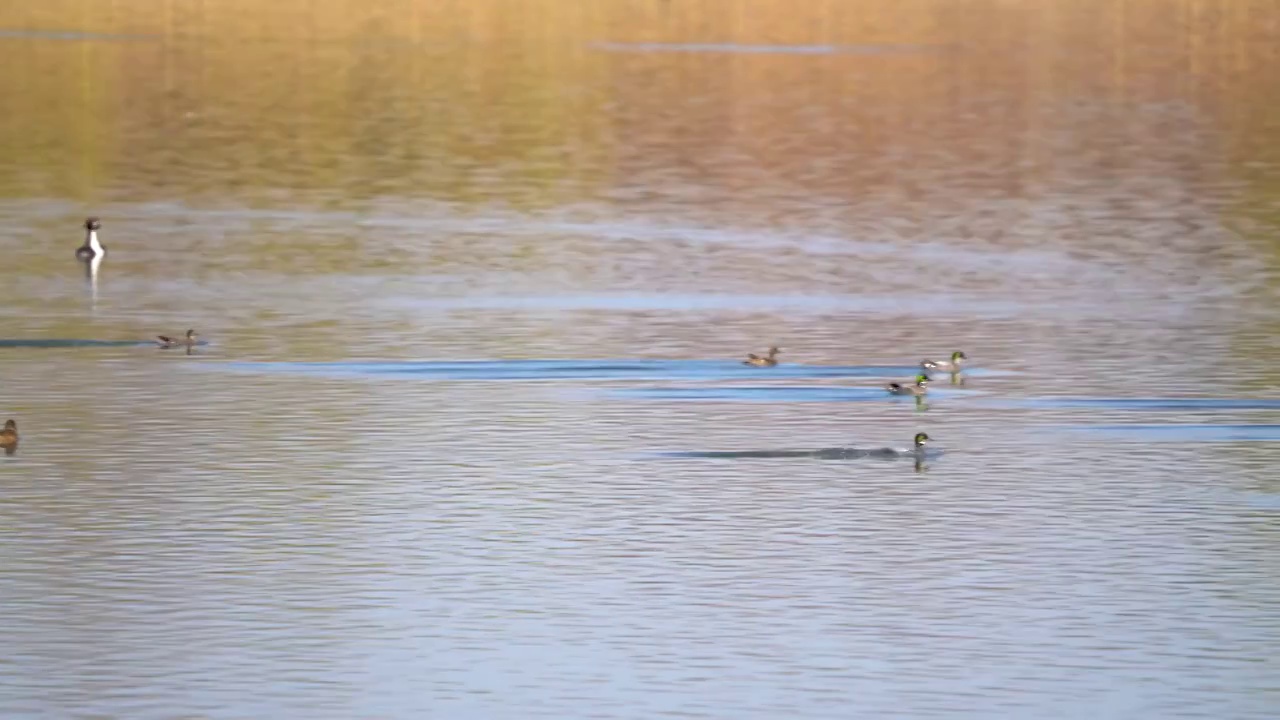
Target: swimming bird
917 448
167 342
769 360
920 388
91 248
9 436
947 366
916 451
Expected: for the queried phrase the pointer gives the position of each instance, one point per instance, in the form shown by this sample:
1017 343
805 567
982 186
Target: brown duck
167 342
9 437
769 360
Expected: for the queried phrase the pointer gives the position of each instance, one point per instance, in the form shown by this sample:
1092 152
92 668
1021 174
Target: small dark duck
917 448
916 451
9 436
920 388
91 248
167 342
769 360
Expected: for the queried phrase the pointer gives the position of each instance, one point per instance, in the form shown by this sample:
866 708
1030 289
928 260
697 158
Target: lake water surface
468 436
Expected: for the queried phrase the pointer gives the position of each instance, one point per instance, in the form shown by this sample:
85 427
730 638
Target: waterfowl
917 448
769 360
9 436
920 388
166 342
91 248
947 366
916 451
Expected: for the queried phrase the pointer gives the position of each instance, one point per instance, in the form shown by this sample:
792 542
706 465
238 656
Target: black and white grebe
91 248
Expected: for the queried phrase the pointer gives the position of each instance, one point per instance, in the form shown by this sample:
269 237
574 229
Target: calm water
469 438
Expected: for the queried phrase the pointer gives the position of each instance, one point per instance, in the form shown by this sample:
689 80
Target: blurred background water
474 275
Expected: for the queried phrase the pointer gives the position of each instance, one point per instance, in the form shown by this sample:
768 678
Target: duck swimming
947 366
91 248
167 342
769 360
920 388
917 448
916 452
9 436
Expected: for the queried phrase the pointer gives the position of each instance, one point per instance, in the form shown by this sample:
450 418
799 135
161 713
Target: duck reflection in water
91 275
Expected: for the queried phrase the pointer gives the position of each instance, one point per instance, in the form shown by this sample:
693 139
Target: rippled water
467 435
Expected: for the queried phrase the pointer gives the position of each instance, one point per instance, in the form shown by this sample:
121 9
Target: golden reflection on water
539 104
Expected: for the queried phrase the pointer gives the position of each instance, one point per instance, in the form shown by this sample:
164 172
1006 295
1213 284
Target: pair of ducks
952 365
947 366
922 380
